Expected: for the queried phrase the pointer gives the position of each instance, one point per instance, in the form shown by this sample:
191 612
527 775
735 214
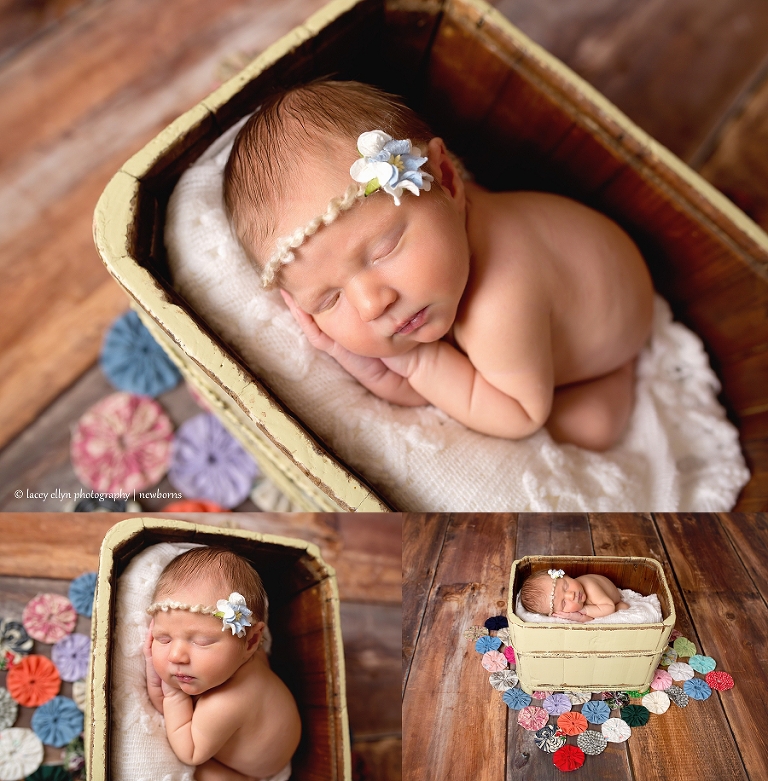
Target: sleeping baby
508 311
553 593
225 711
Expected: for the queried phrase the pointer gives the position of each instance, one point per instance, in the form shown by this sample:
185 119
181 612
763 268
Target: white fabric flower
234 613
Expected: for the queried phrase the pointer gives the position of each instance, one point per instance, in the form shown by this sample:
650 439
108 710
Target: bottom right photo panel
613 646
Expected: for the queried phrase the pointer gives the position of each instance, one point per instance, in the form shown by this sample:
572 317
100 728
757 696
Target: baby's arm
371 373
599 601
197 733
154 684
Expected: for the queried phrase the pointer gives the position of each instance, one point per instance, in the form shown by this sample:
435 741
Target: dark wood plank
731 619
423 537
455 725
655 750
749 535
674 68
377 760
541 535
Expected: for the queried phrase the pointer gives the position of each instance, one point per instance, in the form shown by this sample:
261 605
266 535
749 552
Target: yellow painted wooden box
591 657
520 119
307 650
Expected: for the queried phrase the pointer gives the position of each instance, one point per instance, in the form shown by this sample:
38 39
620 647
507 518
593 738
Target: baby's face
381 278
569 595
189 650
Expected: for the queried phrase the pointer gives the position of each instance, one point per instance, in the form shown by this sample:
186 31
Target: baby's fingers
316 337
148 640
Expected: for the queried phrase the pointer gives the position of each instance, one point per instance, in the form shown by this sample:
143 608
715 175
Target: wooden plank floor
43 552
455 574
85 83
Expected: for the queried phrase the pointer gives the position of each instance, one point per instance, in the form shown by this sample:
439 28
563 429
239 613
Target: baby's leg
215 771
593 414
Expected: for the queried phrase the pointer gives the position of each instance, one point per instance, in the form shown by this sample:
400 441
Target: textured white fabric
642 610
681 671
616 730
139 749
679 453
656 702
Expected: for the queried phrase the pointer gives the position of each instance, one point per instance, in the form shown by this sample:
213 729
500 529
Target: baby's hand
577 616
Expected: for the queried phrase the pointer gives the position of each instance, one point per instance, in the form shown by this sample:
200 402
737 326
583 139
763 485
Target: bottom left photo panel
200 647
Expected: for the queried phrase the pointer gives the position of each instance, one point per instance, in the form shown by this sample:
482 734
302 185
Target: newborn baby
507 311
553 593
225 711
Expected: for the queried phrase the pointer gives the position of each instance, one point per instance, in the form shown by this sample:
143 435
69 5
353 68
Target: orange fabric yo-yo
33 681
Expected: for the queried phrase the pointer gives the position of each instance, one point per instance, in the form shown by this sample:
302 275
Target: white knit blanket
679 453
642 610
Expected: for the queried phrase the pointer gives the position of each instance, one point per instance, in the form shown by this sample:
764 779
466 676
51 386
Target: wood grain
447 686
652 747
731 621
749 536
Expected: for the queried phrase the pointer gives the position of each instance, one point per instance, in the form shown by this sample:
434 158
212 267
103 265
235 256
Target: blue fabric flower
516 699
702 664
81 592
496 622
57 722
487 643
234 613
697 689
595 711
133 361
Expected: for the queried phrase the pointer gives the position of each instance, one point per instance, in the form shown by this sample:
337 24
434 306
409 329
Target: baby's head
362 269
551 591
209 609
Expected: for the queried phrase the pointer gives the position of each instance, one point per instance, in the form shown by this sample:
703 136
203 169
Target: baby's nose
370 296
177 653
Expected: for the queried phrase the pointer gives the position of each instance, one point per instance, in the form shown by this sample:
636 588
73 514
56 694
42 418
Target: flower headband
554 574
385 164
232 611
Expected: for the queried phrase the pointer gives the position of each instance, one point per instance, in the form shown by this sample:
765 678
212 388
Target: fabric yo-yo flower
596 711
504 635
669 656
684 647
541 695
194 506
615 700
49 617
71 655
572 723
133 361
497 622
635 715
57 722
14 643
21 753
702 664
49 773
208 462
122 443
680 671
487 643
719 680
389 164
616 730
678 696
697 689
657 702
661 680
532 718
578 698
509 652
74 755
516 699
555 704
81 591
33 681
568 758
635 694
233 612
79 690
493 661
9 710
549 738
503 680
475 633
591 742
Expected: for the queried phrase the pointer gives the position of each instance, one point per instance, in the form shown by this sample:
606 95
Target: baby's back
585 269
270 724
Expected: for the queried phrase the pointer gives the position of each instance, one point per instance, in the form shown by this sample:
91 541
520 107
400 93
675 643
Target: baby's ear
253 636
445 171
